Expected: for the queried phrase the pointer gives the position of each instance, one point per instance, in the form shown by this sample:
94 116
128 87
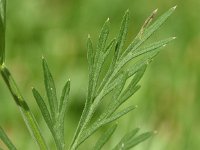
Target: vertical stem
85 123
2 30
23 107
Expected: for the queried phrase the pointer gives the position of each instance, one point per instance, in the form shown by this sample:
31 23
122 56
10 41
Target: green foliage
2 30
105 137
54 119
112 82
117 74
23 107
129 140
6 140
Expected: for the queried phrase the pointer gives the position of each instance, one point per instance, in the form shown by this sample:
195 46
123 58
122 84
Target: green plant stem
85 123
90 114
23 107
59 140
6 140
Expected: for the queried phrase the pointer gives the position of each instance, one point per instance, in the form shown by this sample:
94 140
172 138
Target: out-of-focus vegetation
57 29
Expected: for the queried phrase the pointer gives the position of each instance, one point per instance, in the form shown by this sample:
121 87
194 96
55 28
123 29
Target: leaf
126 138
98 60
122 34
137 42
2 30
56 126
129 91
128 141
147 49
120 87
149 31
153 46
106 54
105 137
109 48
119 114
90 53
102 59
139 74
64 98
132 87
142 62
50 90
118 48
120 79
127 95
62 109
101 43
113 106
47 117
157 24
141 138
90 58
102 53
147 22
99 123
43 108
118 102
115 78
103 36
6 140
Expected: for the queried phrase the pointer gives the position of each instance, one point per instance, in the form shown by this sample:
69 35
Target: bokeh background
169 100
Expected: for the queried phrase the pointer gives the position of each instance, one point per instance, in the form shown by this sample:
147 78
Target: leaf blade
64 97
99 53
139 139
50 90
88 132
2 30
129 140
43 108
142 51
149 31
126 137
6 140
64 101
122 34
105 137
127 93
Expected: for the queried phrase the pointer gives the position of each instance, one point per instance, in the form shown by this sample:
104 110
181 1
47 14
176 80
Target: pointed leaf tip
155 11
174 7
127 12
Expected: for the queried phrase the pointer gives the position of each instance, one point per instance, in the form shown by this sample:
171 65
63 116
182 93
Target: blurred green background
169 100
